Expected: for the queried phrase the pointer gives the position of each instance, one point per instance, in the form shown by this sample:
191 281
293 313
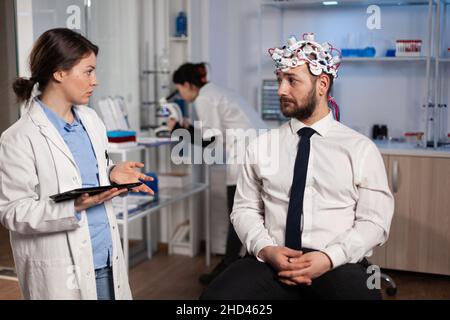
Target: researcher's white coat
52 249
221 109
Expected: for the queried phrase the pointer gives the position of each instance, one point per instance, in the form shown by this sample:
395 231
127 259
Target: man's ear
323 84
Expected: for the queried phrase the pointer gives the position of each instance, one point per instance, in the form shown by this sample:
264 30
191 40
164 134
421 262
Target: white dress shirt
347 206
222 109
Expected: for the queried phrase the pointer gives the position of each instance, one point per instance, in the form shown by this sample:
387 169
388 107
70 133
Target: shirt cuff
261 244
77 214
71 219
336 255
109 169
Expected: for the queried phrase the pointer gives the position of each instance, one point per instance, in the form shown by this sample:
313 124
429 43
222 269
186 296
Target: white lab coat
52 249
221 109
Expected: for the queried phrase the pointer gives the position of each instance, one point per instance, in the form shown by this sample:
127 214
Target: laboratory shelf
167 196
383 59
119 150
411 149
300 4
152 142
179 39
142 143
135 207
435 29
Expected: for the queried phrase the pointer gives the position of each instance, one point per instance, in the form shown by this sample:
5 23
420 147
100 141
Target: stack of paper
133 203
113 114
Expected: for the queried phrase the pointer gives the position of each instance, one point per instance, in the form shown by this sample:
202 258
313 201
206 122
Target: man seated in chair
309 224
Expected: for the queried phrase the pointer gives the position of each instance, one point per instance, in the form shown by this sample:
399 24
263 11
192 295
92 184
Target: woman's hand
171 123
186 123
85 201
125 173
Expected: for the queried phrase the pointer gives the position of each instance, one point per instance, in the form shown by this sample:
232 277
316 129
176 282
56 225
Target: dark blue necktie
295 211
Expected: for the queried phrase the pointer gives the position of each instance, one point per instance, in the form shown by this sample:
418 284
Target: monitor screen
270 102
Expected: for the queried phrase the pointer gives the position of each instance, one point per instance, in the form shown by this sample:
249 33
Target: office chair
391 289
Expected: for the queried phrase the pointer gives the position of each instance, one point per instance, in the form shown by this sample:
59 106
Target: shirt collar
321 127
205 88
60 124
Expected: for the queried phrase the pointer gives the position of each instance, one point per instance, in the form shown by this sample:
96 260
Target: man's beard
300 112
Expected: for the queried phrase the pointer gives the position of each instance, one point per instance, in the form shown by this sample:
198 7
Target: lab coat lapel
39 118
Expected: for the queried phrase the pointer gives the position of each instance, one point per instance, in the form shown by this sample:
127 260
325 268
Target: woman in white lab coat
219 109
57 246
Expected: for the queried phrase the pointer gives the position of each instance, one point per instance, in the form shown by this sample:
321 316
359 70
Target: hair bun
202 72
23 88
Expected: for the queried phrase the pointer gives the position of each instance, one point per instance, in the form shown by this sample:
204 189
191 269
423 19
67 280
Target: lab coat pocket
53 279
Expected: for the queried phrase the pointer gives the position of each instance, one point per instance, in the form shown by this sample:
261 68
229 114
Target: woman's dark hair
56 49
192 73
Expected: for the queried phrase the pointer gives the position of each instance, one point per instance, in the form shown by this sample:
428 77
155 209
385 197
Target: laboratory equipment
181 24
167 110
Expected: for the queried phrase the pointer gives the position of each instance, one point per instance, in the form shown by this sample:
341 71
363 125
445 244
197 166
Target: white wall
36 17
368 93
25 37
233 46
114 28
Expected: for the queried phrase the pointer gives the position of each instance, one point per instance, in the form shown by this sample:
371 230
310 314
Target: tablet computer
72 194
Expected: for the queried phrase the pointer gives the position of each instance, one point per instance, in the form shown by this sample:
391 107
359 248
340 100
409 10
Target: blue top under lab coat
77 139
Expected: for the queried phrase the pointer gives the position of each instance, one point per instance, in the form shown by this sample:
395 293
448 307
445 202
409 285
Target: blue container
181 25
348 53
151 184
121 134
390 53
368 52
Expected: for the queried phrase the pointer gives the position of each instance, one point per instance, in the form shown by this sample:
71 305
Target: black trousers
234 245
249 279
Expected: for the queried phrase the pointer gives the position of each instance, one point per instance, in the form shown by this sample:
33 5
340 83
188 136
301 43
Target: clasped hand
295 267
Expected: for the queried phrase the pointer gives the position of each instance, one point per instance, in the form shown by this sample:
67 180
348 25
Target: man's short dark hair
330 78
